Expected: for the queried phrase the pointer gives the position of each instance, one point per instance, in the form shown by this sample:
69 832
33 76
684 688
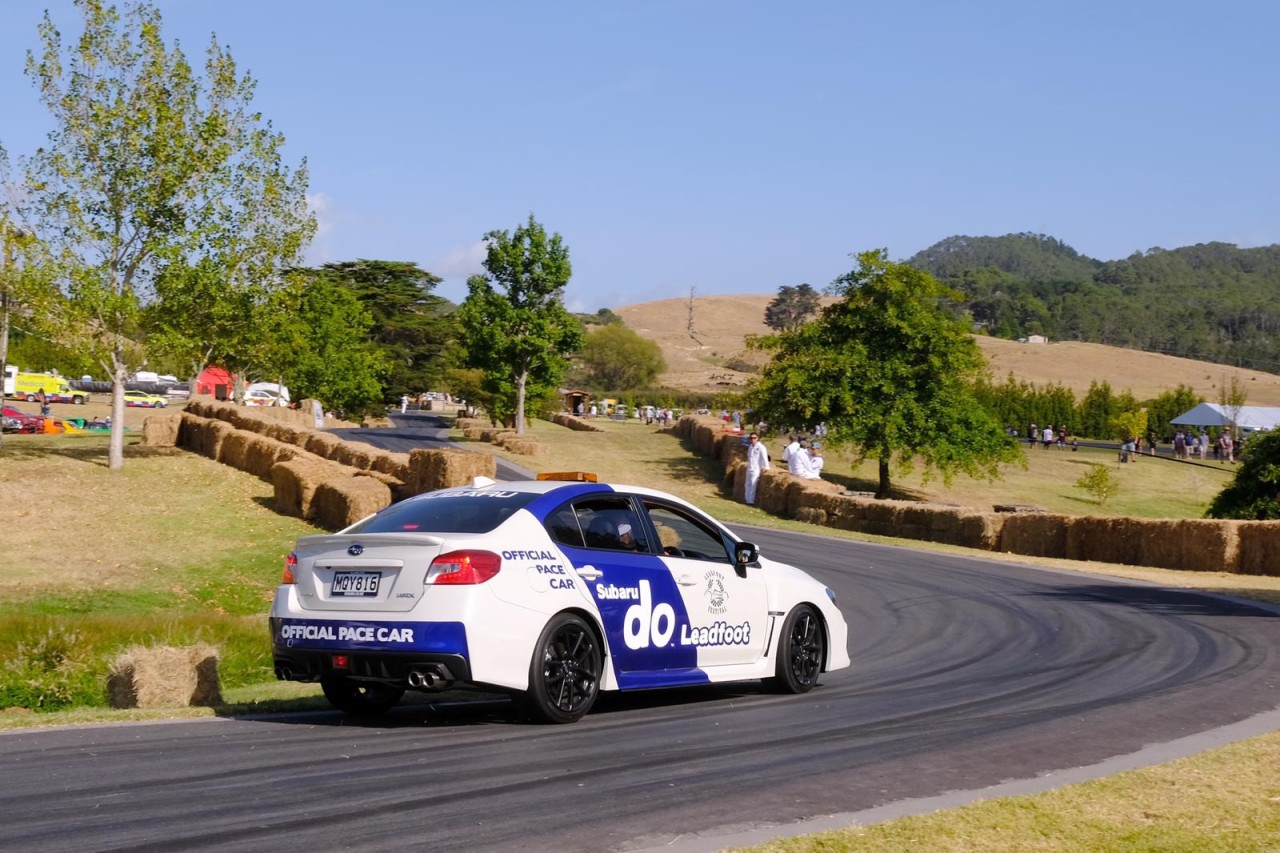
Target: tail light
463 567
290 563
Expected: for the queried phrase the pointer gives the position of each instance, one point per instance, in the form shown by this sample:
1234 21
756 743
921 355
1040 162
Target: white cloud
460 261
326 214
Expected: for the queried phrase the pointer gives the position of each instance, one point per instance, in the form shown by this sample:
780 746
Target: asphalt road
967 673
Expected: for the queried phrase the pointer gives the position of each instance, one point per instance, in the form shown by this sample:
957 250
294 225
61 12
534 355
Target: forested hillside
1212 301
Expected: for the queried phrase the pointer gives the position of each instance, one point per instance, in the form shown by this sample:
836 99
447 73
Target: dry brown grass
721 324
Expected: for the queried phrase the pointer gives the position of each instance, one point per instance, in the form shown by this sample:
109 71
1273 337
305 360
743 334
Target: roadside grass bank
1227 799
173 549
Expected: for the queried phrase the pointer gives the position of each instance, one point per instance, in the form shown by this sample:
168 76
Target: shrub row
1241 547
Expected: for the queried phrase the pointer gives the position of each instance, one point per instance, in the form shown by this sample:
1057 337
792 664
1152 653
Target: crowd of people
802 456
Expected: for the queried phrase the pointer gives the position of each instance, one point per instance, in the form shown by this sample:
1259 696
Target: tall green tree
792 307
410 323
891 373
151 167
616 358
322 345
514 321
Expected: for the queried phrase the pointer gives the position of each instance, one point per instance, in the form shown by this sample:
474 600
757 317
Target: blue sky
735 147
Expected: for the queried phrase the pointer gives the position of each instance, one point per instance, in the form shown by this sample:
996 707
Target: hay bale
811 515
164 677
341 502
1259 547
162 430
295 482
1035 534
377 423
522 445
493 435
395 464
235 449
474 432
262 453
323 444
354 454
441 469
398 487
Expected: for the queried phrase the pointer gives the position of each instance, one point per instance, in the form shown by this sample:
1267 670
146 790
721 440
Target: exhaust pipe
418 678
284 673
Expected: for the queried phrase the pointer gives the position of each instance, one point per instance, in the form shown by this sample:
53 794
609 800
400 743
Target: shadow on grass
91 450
865 484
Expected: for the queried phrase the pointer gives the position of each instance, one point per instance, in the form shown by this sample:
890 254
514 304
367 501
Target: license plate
357 584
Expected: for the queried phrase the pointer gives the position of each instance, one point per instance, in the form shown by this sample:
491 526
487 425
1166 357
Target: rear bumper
410 670
407 654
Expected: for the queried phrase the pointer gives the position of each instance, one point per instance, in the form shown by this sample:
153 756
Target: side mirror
744 553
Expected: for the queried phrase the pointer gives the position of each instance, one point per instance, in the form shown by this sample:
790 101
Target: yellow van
27 386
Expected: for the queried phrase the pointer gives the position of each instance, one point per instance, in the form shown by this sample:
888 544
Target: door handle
686 580
590 573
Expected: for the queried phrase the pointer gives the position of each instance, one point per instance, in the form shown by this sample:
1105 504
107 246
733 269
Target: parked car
144 400
261 397
553 589
16 420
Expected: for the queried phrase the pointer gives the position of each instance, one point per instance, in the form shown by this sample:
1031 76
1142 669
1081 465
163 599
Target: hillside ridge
704 352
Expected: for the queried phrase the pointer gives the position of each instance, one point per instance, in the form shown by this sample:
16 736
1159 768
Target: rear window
476 511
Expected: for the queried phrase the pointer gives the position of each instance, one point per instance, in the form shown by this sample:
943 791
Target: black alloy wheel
564 675
801 651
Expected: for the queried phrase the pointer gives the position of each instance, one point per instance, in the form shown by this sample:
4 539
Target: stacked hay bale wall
161 430
1191 544
521 444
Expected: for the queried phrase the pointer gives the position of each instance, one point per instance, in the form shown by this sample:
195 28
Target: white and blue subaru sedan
552 590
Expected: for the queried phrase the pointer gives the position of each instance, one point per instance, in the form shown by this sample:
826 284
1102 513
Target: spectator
757 464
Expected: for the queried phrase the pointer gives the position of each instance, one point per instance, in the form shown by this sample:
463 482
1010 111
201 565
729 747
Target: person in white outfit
815 463
404 403
798 458
757 464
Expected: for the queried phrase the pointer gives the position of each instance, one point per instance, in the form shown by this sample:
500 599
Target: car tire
359 698
564 675
801 651
79 401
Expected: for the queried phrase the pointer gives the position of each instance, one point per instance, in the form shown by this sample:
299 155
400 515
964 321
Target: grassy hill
707 351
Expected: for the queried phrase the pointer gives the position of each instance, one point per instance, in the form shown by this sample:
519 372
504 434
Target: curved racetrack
966 673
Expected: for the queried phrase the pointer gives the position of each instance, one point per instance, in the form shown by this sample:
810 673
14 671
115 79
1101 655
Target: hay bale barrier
165 677
442 469
162 430
340 503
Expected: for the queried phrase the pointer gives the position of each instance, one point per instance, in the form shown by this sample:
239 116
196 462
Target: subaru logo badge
356 550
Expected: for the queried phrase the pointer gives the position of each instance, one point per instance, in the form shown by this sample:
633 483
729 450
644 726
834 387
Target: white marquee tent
1249 419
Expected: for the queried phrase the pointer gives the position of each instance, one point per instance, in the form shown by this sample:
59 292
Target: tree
1232 396
1129 424
617 358
324 347
515 325
1254 492
792 307
1167 406
1100 482
890 372
410 323
153 169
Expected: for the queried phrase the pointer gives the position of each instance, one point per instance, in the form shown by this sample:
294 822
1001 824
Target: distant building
1035 339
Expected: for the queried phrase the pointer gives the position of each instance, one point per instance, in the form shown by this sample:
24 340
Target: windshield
472 511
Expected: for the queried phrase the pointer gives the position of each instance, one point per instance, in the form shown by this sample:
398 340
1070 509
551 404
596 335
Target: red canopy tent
217 381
